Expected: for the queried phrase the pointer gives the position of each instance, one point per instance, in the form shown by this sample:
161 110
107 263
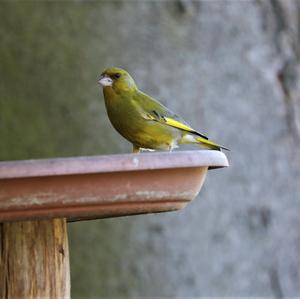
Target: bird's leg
136 149
172 145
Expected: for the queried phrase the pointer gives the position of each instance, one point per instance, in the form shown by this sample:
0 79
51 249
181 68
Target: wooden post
35 259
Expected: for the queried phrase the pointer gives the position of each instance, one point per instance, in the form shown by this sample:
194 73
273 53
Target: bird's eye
117 76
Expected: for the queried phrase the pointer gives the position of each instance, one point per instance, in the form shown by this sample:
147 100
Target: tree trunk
35 259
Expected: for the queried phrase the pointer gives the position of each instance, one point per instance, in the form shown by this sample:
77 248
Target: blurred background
231 68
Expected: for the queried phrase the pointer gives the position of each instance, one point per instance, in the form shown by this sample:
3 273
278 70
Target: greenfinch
142 120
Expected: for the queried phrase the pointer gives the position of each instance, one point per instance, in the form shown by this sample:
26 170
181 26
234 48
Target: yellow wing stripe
174 123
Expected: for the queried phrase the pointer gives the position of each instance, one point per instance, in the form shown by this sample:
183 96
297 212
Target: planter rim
112 163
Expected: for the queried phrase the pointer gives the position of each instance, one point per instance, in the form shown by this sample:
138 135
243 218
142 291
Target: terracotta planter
103 186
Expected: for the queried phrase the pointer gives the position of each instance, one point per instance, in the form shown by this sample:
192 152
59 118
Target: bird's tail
210 144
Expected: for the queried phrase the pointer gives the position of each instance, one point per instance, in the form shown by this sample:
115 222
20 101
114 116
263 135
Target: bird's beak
105 81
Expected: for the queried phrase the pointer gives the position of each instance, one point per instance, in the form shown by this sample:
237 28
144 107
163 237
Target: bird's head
117 79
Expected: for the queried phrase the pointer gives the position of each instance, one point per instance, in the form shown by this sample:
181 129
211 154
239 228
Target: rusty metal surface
102 186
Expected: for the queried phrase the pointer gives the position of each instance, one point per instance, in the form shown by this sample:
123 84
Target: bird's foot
136 149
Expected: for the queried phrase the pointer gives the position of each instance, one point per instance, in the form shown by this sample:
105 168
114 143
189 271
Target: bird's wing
155 111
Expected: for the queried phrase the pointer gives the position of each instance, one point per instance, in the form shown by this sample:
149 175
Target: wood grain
35 259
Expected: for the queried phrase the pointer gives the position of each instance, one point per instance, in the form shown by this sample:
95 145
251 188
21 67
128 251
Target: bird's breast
131 124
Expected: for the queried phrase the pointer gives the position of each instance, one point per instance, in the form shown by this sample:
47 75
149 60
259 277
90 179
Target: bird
144 121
